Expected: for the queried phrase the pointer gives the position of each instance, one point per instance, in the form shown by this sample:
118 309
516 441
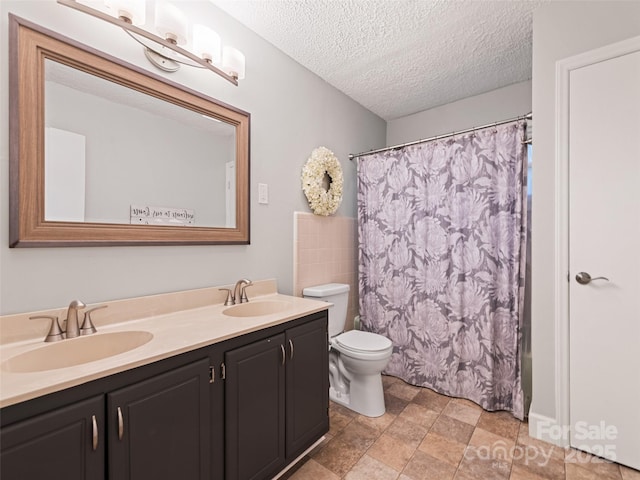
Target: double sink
77 351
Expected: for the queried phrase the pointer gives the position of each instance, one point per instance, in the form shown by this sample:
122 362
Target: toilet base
339 398
367 398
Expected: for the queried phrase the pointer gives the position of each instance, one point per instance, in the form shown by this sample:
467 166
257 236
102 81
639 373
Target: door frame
561 260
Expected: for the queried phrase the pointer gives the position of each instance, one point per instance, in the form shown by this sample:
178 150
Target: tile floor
425 435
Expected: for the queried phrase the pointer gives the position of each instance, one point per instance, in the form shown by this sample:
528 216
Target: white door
230 194
604 241
64 176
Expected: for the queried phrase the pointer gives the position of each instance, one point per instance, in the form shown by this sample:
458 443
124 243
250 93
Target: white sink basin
257 309
76 351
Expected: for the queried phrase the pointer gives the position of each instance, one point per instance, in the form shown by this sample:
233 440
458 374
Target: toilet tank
338 295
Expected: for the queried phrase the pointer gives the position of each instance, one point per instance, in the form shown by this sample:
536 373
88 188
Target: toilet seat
360 341
362 345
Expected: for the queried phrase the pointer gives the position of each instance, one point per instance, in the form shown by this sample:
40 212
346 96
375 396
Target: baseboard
299 457
548 429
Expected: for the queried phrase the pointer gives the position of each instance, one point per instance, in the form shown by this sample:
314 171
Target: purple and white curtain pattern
442 247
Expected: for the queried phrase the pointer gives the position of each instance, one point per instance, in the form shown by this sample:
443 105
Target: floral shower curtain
442 247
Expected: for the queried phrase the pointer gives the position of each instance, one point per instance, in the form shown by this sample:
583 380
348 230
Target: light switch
263 193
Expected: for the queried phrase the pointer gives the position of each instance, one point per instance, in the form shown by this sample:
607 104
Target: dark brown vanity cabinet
158 428
255 409
154 428
307 398
276 400
184 417
65 443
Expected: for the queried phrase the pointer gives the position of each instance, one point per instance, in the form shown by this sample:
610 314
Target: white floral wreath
322 201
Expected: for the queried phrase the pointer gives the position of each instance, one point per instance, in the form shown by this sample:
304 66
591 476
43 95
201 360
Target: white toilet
356 358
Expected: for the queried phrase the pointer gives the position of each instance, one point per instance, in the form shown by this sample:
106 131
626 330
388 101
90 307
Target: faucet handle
87 327
230 300
55 332
243 294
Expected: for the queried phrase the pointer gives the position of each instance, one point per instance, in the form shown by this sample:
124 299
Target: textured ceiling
398 57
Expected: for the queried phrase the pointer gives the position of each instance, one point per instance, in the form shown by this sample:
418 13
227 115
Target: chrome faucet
239 294
72 327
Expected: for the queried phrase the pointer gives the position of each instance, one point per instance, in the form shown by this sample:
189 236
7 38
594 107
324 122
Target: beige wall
501 104
292 112
325 251
560 30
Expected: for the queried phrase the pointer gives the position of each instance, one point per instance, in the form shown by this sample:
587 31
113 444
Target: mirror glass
116 155
105 153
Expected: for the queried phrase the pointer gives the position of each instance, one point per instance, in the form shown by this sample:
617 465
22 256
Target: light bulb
233 62
206 44
171 23
131 11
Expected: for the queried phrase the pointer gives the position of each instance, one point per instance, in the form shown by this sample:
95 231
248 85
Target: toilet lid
363 341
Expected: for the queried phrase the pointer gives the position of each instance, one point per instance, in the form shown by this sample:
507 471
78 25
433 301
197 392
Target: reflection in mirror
109 149
105 153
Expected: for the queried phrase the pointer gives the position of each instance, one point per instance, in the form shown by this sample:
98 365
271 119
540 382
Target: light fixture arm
150 36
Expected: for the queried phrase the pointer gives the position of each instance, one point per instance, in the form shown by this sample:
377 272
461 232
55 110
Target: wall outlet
263 193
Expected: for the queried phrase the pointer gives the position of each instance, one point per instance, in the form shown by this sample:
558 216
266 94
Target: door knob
583 278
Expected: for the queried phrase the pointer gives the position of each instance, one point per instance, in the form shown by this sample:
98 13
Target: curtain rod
528 116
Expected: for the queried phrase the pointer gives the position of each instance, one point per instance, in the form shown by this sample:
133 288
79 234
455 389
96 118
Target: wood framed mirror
105 153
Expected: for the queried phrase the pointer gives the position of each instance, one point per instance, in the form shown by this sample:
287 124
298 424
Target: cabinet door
58 444
254 409
307 385
159 428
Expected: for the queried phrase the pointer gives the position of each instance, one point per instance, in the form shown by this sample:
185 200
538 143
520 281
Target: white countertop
173 333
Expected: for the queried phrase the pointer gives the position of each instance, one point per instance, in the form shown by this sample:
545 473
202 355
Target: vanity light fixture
167 49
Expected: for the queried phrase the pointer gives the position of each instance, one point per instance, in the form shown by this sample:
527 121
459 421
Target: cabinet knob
290 349
283 353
